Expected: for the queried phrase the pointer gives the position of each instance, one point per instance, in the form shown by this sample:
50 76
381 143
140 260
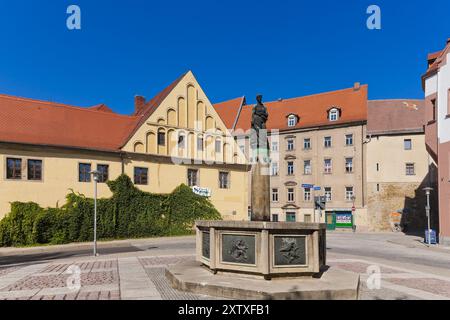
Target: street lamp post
95 175
427 210
353 213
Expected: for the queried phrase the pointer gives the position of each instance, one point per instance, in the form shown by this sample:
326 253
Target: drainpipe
362 165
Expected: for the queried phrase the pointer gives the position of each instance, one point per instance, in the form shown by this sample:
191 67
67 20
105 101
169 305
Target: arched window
292 120
334 114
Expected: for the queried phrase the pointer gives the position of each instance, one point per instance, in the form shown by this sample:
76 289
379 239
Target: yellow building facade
175 138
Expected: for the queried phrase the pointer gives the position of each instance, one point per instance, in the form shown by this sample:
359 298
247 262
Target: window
242 148
378 167
192 175
34 169
181 141
334 115
290 217
13 168
218 146
140 176
275 146
349 139
103 170
378 187
307 218
291 194
328 166
290 168
410 169
349 193
307 144
307 194
328 195
200 143
448 102
292 120
161 138
433 104
84 172
275 218
327 142
224 180
307 167
348 165
290 144
407 144
275 195
274 168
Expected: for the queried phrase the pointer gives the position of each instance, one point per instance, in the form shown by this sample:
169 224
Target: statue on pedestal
260 189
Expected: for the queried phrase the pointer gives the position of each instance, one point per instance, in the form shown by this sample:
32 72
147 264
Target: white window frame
290 168
328 169
334 115
349 165
307 194
349 194
291 195
328 194
307 170
347 138
327 139
292 121
290 144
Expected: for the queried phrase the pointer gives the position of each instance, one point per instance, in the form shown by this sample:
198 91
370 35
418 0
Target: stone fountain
259 259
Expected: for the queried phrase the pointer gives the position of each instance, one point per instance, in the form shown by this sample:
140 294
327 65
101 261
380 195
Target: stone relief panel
289 250
205 245
238 248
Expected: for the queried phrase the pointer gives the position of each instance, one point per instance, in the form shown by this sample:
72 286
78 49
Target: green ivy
129 213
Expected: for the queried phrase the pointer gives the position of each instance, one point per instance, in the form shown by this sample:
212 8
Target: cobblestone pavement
99 280
404 272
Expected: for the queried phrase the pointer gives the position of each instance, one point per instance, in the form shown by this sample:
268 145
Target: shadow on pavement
45 256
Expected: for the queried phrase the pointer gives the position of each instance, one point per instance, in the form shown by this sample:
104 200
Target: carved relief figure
239 250
289 249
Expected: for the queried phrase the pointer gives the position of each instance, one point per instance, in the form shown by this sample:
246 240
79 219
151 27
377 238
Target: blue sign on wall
307 186
317 188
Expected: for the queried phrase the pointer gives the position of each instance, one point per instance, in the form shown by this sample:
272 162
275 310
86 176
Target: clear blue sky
279 48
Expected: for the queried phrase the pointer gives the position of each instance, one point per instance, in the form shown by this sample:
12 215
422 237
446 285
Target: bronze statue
259 119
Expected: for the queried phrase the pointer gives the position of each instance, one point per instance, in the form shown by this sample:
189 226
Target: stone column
260 188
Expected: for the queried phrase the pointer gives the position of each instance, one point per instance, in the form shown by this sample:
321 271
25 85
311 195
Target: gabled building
48 149
398 165
436 84
314 140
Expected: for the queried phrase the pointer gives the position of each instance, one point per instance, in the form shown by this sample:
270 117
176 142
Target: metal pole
314 205
428 216
95 216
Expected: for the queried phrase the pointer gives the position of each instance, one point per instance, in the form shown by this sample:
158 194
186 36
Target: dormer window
292 120
334 114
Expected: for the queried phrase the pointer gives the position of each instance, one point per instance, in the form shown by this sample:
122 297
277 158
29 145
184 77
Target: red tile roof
435 61
38 122
395 116
312 110
229 111
46 123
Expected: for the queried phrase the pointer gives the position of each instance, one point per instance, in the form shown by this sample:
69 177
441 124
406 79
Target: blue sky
278 48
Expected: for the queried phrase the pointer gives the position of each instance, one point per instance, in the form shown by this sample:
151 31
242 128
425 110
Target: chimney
356 86
139 103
